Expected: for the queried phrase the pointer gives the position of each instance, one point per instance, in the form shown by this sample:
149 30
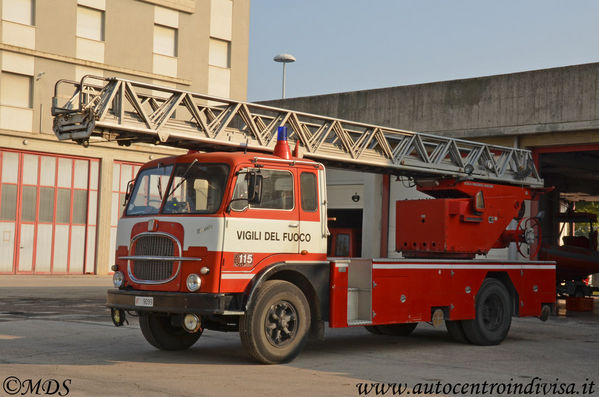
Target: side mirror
255 187
248 190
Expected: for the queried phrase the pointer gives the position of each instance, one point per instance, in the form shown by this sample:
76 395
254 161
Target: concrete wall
528 103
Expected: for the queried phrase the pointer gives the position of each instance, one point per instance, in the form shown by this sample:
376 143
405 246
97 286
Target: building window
19 11
15 90
90 23
8 203
221 19
165 40
220 53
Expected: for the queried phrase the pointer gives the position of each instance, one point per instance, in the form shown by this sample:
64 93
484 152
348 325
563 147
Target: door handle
294 225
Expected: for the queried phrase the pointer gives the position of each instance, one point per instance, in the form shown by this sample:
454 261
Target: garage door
122 173
48 207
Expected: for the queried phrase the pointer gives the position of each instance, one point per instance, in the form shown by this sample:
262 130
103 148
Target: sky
349 45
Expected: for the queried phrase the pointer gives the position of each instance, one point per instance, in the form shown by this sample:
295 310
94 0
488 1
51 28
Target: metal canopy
129 111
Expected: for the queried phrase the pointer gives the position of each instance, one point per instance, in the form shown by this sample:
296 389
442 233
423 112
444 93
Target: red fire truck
234 238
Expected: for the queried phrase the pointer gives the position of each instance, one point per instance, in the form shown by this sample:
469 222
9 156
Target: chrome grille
154 270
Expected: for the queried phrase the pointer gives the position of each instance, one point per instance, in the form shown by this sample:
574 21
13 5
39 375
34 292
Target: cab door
312 215
266 232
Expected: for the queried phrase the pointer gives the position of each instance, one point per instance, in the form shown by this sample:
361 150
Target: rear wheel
160 333
493 314
275 326
456 331
373 329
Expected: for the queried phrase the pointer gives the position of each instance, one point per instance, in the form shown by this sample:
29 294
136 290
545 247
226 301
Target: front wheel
162 334
275 326
493 314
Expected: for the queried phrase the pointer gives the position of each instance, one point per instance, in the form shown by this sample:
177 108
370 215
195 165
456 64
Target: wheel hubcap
492 313
281 323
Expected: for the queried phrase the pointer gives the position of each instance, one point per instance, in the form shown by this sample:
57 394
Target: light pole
284 59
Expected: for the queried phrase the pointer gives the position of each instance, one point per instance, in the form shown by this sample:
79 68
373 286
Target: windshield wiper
195 161
160 187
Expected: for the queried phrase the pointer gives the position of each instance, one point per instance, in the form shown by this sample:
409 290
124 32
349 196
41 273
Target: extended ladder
129 111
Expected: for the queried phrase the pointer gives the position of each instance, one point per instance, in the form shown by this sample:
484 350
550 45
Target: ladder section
126 111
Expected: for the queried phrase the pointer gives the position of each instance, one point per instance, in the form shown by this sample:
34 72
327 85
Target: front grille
153 270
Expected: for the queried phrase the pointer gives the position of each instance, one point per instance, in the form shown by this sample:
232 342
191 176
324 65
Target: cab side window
308 191
277 191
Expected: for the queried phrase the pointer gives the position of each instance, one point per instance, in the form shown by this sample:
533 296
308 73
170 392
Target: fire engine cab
235 238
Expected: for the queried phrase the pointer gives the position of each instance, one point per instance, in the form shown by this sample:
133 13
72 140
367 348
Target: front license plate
144 301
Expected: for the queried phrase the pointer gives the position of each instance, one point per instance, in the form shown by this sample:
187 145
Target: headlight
117 279
191 323
193 282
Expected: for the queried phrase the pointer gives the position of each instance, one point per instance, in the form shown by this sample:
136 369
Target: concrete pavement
57 328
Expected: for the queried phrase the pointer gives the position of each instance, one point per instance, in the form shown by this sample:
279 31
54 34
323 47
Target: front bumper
175 302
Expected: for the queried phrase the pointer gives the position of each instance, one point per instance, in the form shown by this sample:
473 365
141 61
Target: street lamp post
284 59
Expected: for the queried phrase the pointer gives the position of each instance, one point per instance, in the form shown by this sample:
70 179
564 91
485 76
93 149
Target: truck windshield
196 188
149 190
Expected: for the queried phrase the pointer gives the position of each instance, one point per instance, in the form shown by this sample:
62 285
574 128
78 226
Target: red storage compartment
466 219
338 294
443 226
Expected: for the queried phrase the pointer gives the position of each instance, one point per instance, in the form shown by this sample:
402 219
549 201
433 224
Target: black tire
493 315
160 333
373 329
397 329
275 326
456 331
